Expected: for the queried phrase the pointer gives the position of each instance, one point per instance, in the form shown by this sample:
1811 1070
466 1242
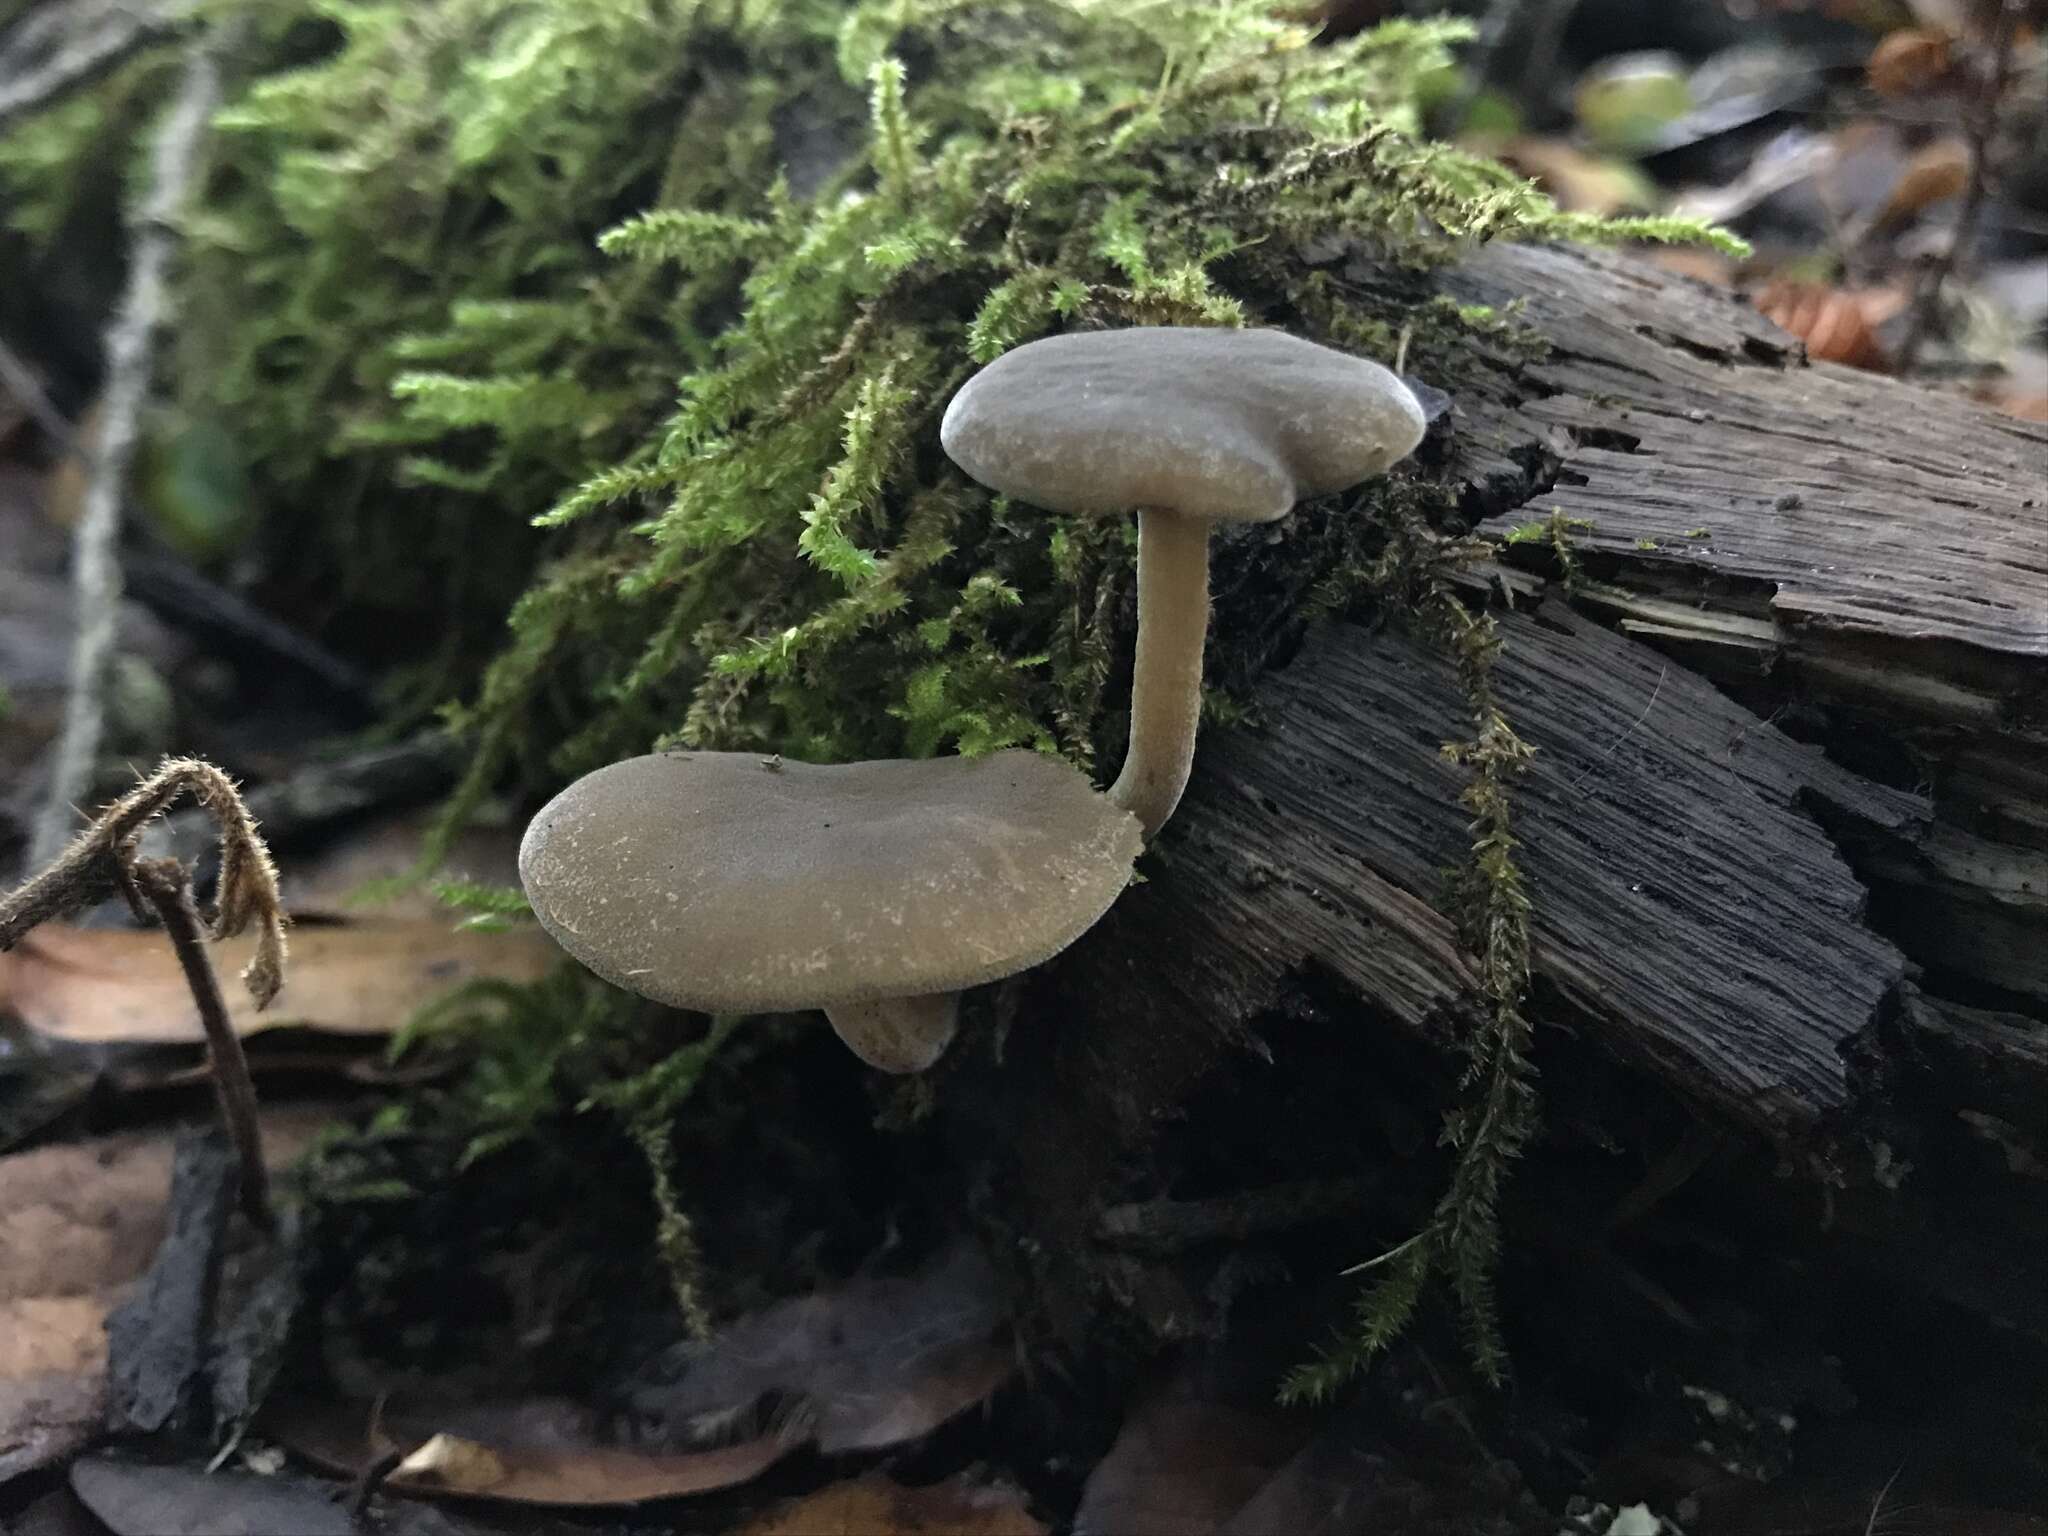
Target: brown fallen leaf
878 1506
1911 60
542 1451
372 871
367 977
79 1217
44 1419
79 1222
878 1362
51 1335
285 1053
1192 1452
1935 173
1838 325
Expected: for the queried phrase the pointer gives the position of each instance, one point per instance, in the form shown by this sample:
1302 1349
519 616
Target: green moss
568 1045
390 294
1497 1110
649 1102
1556 532
792 565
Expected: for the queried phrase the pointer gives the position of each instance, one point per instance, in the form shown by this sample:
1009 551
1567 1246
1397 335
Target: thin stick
165 885
95 561
1982 123
102 859
370 1479
380 1465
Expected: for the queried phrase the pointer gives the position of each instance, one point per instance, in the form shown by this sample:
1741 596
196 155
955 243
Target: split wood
103 860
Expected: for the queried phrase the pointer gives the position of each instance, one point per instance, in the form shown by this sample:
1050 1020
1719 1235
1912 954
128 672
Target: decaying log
1703 924
1775 933
1818 540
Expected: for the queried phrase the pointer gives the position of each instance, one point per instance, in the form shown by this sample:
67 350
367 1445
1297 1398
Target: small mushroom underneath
1190 427
875 891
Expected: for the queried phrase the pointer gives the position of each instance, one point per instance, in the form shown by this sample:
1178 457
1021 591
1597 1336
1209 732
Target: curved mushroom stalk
898 1034
1191 426
1166 671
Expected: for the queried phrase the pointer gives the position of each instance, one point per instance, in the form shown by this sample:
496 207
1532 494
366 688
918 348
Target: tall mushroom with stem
876 891
1191 427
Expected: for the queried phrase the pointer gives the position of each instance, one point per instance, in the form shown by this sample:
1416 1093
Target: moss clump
819 215
569 1045
397 189
801 571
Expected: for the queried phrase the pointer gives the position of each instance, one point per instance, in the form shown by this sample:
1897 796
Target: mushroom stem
898 1034
1166 674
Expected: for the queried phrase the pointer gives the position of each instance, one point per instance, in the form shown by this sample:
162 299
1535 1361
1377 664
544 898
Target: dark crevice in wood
1752 352
1605 437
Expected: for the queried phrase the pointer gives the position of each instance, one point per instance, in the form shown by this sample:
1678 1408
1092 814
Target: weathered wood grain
1699 921
1885 545
1862 504
1736 920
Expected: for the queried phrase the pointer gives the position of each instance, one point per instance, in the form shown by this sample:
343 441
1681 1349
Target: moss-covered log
1748 899
1731 946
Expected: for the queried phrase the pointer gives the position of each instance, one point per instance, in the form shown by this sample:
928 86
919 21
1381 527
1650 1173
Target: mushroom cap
1235 425
732 883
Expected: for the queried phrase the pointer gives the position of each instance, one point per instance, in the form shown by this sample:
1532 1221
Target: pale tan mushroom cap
1226 424
732 883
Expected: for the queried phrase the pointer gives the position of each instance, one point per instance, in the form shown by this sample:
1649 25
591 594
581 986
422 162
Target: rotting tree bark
1794 939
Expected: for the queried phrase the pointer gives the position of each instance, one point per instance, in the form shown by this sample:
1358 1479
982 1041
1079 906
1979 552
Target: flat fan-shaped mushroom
1191 427
876 891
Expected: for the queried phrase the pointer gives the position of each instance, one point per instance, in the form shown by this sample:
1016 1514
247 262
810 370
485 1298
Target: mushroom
1191 427
876 891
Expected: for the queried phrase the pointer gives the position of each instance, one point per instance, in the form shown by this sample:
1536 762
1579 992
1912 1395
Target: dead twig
103 860
368 1481
95 560
1981 122
91 868
380 1466
166 886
